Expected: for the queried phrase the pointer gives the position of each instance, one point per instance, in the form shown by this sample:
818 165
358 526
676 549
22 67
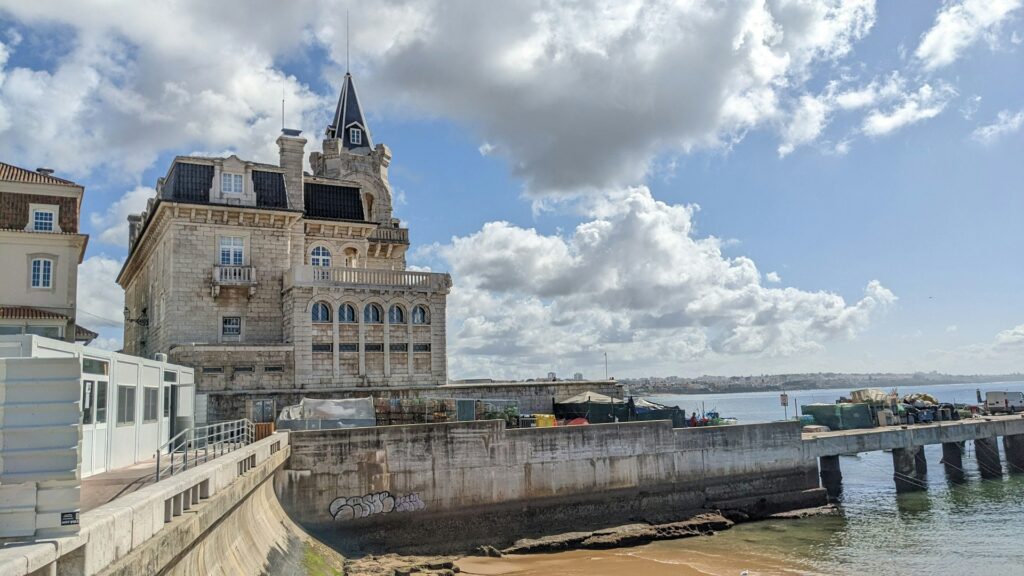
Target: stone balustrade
369 277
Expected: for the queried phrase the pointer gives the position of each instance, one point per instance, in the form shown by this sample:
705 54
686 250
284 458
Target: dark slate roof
12 173
269 188
188 182
324 201
349 112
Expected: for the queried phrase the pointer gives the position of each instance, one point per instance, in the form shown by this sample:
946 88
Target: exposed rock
395 565
825 510
556 543
487 551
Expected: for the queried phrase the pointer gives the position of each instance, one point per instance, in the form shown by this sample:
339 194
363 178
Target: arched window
372 314
320 256
420 316
346 313
351 257
321 312
396 315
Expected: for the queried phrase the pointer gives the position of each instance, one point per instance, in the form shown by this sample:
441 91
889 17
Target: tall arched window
420 316
321 312
346 313
320 256
372 314
396 315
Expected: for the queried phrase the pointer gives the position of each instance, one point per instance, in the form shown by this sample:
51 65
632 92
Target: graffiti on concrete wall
374 503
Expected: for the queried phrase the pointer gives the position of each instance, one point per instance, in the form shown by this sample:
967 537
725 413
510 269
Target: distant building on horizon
42 249
273 282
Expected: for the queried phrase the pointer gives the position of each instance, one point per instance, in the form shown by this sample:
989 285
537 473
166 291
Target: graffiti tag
374 503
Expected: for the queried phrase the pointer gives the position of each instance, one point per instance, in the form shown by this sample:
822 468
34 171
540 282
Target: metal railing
194 446
234 275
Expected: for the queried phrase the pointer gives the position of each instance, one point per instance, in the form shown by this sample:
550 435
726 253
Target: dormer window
230 183
42 220
355 136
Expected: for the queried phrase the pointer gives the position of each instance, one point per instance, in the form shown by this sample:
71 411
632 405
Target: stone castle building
273 282
42 249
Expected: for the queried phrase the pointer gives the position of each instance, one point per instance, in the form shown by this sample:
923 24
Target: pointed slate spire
349 126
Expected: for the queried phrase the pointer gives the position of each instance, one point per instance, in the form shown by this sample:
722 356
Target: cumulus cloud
632 278
100 299
806 124
1006 123
958 25
1001 353
773 277
927 102
113 224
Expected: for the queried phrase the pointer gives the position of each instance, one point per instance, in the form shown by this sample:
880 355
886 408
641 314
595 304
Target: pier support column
953 461
1014 447
989 463
920 463
904 464
831 475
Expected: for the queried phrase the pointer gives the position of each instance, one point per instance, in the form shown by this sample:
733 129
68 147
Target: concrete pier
953 461
986 450
831 475
905 472
1013 445
920 463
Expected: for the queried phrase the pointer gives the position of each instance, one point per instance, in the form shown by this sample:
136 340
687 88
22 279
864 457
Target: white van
1009 402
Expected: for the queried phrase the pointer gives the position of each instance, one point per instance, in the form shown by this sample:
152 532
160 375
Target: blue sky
701 187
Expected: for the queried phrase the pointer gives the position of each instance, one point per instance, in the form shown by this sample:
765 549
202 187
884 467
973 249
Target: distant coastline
822 381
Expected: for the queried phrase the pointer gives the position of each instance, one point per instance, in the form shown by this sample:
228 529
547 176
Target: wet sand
692 557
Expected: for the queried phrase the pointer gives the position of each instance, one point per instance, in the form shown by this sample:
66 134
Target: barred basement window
403 347
243 369
213 370
273 368
374 347
321 347
421 347
348 347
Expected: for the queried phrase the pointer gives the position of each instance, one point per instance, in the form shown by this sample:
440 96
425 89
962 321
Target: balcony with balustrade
234 277
304 275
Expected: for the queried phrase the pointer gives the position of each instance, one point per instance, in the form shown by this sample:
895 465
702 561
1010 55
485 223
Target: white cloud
100 299
773 277
806 125
632 279
1011 339
1006 123
113 224
486 149
105 343
958 25
952 328
927 102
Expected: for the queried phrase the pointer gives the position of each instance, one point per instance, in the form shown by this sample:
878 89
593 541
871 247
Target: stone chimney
292 148
134 227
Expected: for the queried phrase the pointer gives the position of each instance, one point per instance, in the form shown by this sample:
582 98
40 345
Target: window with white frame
232 250
150 403
42 273
43 220
355 136
231 326
230 183
320 256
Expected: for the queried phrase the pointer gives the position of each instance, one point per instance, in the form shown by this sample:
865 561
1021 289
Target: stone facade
272 281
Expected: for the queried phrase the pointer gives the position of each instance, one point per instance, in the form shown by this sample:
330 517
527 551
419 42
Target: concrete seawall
448 487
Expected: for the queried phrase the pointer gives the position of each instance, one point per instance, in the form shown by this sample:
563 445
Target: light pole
605 365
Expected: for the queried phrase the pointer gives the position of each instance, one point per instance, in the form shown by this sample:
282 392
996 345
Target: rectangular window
8 330
355 136
47 331
42 273
91 366
231 326
213 370
321 347
101 402
403 347
150 406
87 403
230 183
273 369
239 369
167 401
42 221
232 251
374 347
421 347
126 404
348 347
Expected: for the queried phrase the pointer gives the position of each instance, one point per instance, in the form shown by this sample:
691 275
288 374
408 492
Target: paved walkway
99 489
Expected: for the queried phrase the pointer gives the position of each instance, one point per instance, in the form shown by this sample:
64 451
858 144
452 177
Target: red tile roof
28 313
84 334
11 173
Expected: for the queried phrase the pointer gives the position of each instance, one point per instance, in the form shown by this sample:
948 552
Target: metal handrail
192 446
